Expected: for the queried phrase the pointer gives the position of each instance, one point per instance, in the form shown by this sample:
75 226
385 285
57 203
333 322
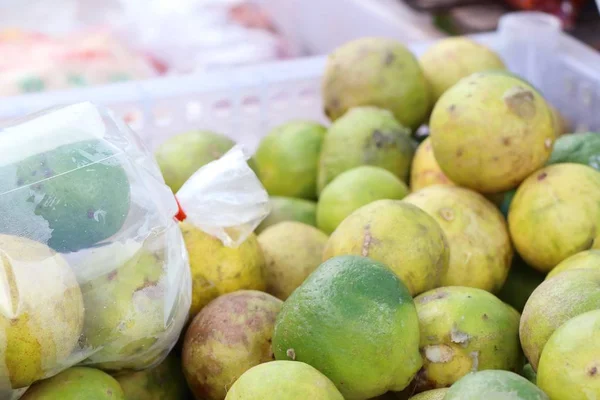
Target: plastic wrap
93 267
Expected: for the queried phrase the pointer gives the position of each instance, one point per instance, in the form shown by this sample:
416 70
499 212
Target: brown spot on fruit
447 214
520 101
593 371
459 152
506 141
389 58
452 108
485 317
542 176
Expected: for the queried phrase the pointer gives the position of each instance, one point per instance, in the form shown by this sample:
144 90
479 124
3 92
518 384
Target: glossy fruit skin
354 321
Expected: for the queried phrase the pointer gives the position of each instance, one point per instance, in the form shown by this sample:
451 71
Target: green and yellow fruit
125 313
182 155
570 363
553 303
39 325
353 189
425 170
289 209
464 330
218 269
583 260
163 382
81 190
494 385
556 214
283 380
77 383
354 321
398 234
480 248
365 136
292 251
226 338
288 157
449 60
490 131
376 72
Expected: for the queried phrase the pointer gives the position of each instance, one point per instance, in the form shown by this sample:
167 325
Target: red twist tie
180 216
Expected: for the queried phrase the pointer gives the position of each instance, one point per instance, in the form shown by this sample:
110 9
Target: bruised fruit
570 364
289 209
583 260
553 303
480 248
435 394
365 136
79 189
520 283
425 170
39 325
464 330
182 155
449 60
288 157
400 235
229 336
578 148
490 131
163 382
494 385
352 312
218 269
292 251
376 72
283 380
77 383
556 213
353 189
125 313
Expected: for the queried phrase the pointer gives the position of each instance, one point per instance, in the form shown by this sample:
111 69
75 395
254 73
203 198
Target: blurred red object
566 10
34 62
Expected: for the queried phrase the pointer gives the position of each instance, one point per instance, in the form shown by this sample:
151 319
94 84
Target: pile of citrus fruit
458 267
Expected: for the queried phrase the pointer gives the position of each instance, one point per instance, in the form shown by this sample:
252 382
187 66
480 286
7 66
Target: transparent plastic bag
225 198
93 267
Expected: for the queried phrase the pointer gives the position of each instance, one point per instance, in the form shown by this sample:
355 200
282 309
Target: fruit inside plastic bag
93 267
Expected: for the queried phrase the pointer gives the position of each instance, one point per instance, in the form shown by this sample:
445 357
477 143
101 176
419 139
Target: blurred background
77 43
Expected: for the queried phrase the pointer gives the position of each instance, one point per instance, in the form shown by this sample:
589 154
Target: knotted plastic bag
93 267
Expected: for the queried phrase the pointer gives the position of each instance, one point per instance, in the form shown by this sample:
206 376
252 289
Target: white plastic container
245 103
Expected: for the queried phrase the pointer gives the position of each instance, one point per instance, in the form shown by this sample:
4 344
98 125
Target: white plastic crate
245 103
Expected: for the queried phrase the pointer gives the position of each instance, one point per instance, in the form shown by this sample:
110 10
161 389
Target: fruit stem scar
291 354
